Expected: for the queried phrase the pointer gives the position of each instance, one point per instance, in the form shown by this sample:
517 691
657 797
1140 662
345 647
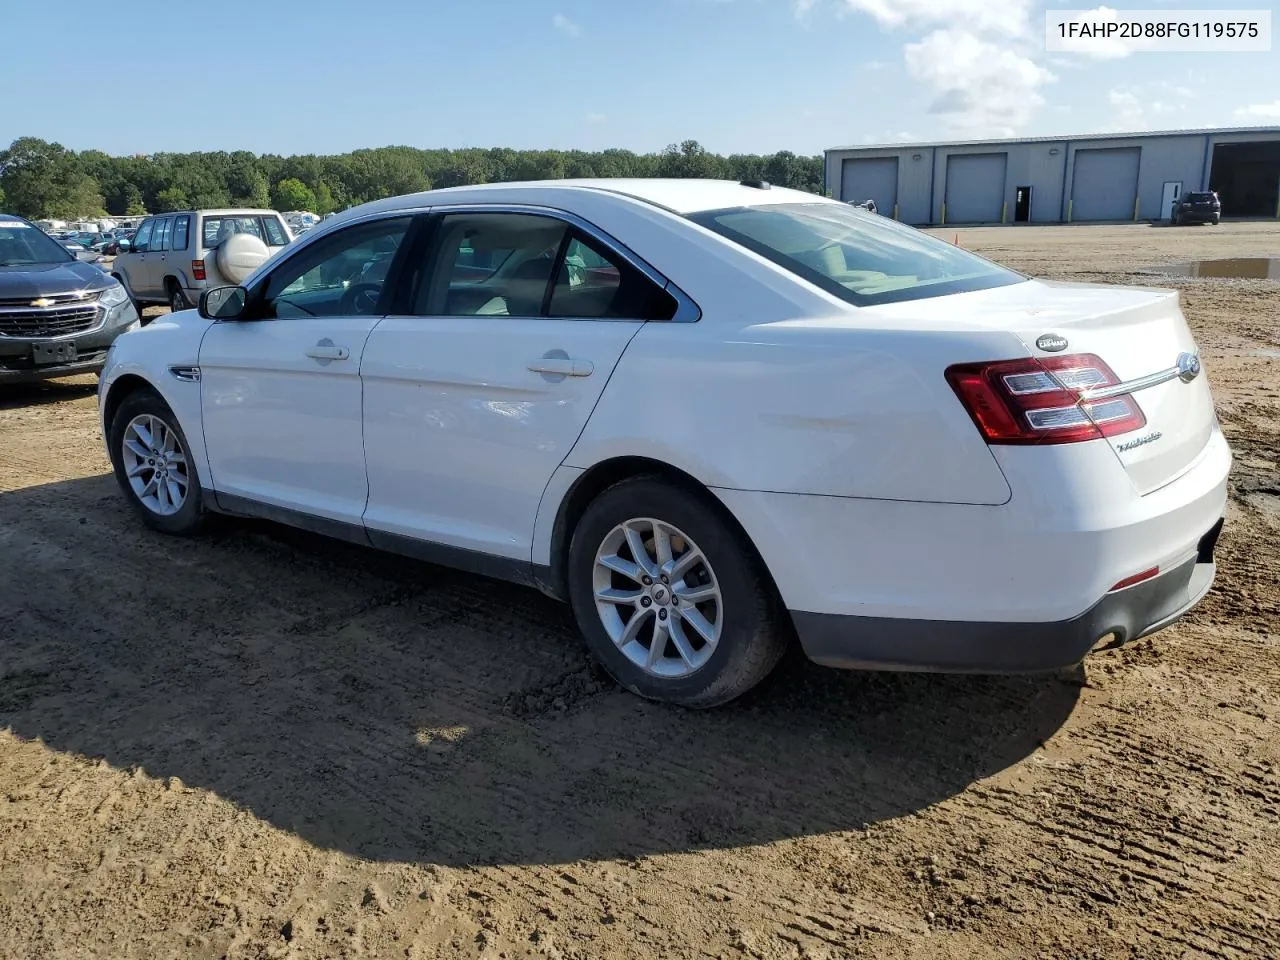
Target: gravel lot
261 744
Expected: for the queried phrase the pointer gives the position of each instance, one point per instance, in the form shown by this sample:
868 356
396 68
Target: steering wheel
361 299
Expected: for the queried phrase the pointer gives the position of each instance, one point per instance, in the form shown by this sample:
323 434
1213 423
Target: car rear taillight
197 269
1039 400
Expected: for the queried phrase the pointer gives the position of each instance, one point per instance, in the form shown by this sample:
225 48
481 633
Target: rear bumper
1198 216
890 643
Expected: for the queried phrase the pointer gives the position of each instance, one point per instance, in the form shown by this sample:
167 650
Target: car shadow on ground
13 395
397 711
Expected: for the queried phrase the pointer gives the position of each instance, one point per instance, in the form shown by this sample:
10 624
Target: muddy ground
260 744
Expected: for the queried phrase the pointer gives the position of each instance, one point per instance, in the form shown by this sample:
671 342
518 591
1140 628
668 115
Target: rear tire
717 615
153 465
177 299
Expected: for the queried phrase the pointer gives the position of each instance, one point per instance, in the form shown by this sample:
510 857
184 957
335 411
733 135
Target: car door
474 395
281 395
158 258
134 265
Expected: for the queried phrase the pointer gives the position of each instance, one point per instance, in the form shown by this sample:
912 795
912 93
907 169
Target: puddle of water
1241 268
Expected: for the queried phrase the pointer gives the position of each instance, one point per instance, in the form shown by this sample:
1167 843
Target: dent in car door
472 404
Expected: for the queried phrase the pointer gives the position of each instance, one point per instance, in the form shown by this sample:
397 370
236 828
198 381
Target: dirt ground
261 744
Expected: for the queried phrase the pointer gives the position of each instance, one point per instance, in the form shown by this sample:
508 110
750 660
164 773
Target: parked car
58 315
1201 206
119 241
710 416
174 257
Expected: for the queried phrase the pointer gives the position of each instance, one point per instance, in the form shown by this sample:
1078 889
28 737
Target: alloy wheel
155 464
658 598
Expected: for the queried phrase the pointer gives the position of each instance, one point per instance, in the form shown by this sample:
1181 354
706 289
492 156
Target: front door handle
562 367
326 350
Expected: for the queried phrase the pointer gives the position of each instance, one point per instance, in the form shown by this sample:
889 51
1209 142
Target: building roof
1137 135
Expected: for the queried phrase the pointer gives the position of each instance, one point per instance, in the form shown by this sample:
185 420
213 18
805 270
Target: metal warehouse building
1093 178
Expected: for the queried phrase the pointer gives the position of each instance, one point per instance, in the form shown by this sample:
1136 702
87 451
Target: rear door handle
562 366
326 350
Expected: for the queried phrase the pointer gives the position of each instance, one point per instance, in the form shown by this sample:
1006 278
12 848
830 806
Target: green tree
171 198
293 194
324 199
29 173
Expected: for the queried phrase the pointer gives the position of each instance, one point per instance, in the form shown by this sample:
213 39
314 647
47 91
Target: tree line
40 180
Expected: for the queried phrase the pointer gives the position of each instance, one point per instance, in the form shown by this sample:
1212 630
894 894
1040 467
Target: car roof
681 196
218 212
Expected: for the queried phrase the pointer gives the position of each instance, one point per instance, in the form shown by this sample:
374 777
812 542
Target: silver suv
174 257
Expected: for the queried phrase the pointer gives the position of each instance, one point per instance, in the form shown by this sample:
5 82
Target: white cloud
596 118
979 62
566 26
979 86
984 16
1128 110
899 136
1134 107
1260 110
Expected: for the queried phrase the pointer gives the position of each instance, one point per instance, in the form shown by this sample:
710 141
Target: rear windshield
267 229
856 255
1200 197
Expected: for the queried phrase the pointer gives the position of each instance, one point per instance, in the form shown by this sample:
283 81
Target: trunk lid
1139 332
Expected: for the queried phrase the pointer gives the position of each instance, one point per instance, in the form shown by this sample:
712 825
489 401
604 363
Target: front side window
342 275
861 257
527 265
142 238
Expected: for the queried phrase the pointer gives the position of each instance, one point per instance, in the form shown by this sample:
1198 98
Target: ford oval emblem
1052 343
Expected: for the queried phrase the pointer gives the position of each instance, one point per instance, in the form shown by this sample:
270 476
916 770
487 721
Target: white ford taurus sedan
714 417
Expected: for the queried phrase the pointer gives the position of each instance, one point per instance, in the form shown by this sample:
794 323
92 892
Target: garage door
1105 184
871 178
975 187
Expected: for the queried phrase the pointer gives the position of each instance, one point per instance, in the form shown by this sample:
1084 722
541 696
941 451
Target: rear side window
181 227
528 265
276 235
856 255
142 238
266 229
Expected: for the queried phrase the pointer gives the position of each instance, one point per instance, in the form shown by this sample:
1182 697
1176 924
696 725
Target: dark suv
58 315
1197 207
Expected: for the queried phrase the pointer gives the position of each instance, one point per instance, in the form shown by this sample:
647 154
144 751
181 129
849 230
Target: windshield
267 229
21 243
857 255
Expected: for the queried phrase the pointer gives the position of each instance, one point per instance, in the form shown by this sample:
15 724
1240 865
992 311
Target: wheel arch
597 478
121 388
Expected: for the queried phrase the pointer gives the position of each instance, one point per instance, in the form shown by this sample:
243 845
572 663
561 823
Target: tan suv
174 257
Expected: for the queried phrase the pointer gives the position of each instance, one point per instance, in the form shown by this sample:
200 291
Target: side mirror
123 245
224 303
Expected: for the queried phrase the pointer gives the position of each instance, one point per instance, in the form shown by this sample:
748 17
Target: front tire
153 466
670 598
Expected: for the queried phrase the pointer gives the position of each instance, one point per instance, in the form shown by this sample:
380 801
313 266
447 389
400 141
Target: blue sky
304 76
